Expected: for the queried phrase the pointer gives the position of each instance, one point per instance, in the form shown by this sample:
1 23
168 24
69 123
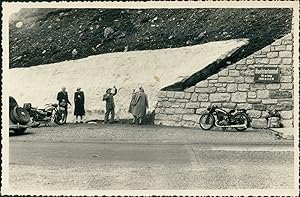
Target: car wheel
20 115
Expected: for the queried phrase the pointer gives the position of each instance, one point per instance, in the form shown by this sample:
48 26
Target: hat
78 89
108 89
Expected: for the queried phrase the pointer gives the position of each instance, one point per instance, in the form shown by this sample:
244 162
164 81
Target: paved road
97 157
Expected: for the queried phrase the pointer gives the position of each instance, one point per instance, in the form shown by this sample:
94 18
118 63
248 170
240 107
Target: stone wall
234 87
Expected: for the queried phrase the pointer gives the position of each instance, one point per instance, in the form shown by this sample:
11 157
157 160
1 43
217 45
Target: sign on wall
266 75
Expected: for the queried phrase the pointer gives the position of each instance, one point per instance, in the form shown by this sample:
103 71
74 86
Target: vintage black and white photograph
134 97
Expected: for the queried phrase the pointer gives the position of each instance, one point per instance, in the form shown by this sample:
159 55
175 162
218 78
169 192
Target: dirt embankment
43 36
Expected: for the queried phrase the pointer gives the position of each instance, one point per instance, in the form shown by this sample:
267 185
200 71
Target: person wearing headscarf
110 105
79 104
132 104
63 99
141 105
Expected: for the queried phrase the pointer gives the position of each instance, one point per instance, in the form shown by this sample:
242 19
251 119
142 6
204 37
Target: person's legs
76 119
134 120
81 119
112 115
106 115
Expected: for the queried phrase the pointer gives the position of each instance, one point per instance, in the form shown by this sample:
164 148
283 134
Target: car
19 118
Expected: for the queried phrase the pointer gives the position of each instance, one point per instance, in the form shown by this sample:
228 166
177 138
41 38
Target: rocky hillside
43 36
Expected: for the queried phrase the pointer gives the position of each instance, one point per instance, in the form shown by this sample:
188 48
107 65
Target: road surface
130 157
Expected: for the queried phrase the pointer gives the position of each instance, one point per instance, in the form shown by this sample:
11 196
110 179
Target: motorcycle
51 113
215 116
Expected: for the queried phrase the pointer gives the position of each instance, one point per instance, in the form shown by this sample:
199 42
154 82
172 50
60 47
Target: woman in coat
79 104
139 110
132 104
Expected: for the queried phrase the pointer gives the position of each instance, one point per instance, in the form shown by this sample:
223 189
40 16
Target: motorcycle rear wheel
241 119
206 121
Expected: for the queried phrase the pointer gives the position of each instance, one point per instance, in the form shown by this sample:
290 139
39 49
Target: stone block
203 97
194 97
272 54
259 107
206 90
240 67
182 105
191 117
189 124
179 94
226 79
254 101
212 81
286 86
157 110
190 89
284 106
175 117
223 73
251 94
187 95
266 49
249 79
170 94
219 97
166 104
273 86
269 101
285 54
192 105
204 104
160 116
289 47
254 113
162 94
243 87
275 61
202 84
276 43
231 67
261 60
234 73
182 100
287 61
286 79
175 105
263 94
287 123
250 61
170 111
184 111
239 79
219 85
172 100
201 111
281 94
232 87
221 89
280 48
246 106
229 105
239 97
259 123
258 86
286 114
247 73
213 77
165 99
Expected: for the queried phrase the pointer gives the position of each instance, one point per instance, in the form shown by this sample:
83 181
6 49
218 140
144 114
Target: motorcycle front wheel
206 121
60 117
241 119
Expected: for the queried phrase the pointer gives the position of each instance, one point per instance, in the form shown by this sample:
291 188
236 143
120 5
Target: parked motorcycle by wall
218 117
51 113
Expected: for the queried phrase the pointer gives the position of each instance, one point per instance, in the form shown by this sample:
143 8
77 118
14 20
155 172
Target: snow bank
153 69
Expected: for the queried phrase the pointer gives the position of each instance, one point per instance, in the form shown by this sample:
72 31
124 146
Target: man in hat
110 105
63 99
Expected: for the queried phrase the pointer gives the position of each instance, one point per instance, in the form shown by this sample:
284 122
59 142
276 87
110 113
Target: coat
141 105
132 102
79 104
109 98
63 96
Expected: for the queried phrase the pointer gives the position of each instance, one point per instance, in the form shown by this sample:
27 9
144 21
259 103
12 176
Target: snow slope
153 69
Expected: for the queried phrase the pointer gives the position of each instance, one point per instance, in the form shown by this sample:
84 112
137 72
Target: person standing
79 104
141 105
110 105
63 99
132 105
